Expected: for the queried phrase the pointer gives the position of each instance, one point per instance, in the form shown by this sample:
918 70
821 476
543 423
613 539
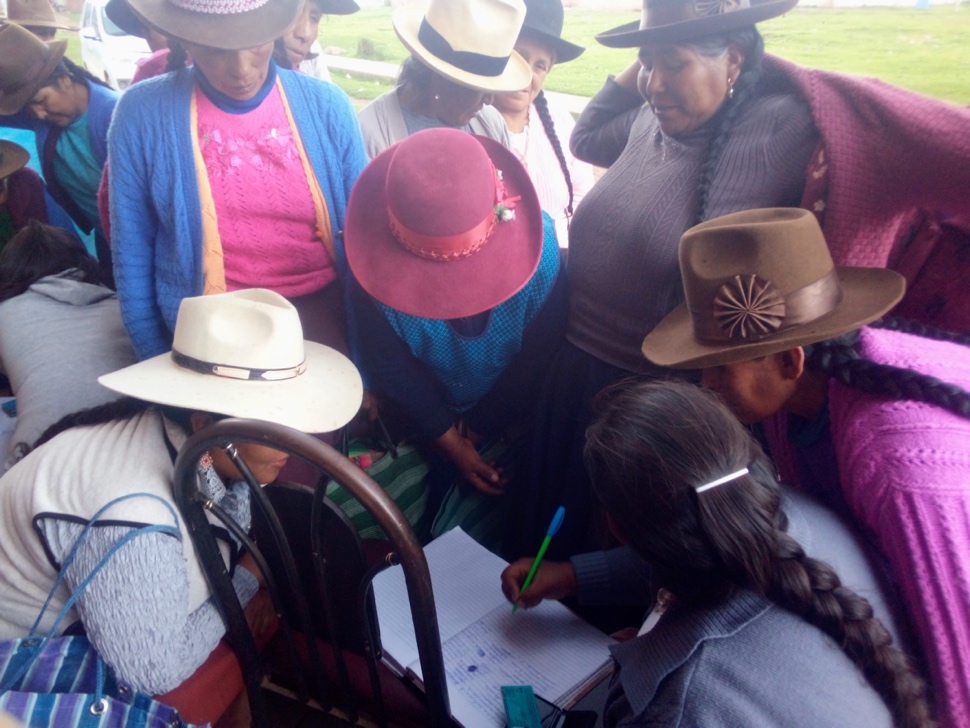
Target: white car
106 50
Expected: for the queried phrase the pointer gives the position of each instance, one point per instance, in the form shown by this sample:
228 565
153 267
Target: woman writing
538 130
747 629
229 174
148 612
461 54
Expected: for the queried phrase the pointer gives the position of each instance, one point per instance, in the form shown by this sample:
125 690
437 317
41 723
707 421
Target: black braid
745 87
542 107
812 590
908 326
178 57
839 359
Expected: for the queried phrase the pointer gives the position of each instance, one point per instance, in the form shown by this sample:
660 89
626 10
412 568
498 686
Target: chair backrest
315 568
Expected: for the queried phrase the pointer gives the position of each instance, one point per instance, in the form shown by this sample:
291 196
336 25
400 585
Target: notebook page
547 647
466 579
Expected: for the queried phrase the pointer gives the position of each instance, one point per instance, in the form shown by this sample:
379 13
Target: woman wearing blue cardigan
229 174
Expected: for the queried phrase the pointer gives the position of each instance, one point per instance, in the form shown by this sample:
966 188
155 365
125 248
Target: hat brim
867 293
631 36
564 50
55 24
14 103
124 17
230 32
322 399
338 7
516 76
434 289
14 156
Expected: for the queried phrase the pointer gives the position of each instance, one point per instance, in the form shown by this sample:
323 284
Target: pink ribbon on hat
452 247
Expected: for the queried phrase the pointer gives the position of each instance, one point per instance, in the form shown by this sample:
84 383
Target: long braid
745 87
542 107
178 57
839 359
649 448
812 590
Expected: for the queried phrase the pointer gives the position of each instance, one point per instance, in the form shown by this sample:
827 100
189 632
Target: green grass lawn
923 50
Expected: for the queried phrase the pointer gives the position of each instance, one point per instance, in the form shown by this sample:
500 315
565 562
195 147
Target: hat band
219 7
748 308
477 63
442 247
660 13
230 372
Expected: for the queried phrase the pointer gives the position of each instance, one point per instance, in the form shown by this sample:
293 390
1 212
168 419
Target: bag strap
82 537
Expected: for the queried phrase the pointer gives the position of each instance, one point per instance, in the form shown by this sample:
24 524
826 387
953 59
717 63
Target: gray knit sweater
623 271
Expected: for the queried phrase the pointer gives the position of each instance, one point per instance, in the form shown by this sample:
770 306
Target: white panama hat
242 354
468 41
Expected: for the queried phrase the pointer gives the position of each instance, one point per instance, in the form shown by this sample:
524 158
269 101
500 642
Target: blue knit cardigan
156 218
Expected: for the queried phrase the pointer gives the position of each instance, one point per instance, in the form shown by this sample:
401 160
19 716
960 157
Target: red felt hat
443 225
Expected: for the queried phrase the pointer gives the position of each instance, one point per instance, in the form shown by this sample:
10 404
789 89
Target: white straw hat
242 354
468 41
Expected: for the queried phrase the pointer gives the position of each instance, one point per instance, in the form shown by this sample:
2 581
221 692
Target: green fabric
403 478
77 168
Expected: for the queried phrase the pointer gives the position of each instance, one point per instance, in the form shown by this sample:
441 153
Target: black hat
543 19
675 21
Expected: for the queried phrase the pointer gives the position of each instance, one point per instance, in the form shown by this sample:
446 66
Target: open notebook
485 644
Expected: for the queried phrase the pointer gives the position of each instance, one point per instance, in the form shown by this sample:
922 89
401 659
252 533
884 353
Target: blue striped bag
62 682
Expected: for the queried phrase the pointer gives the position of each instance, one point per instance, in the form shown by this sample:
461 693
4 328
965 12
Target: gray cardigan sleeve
604 126
135 611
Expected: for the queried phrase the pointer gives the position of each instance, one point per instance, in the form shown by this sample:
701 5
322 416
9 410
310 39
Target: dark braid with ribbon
693 493
542 107
839 359
746 85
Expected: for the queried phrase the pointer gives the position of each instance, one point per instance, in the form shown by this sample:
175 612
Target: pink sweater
268 231
905 473
893 165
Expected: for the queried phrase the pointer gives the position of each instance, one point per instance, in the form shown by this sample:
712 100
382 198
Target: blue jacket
156 218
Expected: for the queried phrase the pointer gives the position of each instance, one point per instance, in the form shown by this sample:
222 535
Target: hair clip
721 481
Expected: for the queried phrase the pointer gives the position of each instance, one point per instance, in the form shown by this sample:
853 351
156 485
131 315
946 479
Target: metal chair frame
226 434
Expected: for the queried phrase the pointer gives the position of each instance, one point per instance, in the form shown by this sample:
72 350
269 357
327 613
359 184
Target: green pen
553 527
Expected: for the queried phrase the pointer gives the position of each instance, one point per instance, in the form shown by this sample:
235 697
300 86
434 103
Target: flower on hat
504 205
748 307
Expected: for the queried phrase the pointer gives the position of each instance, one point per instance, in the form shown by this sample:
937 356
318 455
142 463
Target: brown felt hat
35 14
676 21
13 157
762 281
224 24
25 64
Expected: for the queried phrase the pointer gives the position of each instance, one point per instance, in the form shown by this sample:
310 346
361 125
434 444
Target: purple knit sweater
905 472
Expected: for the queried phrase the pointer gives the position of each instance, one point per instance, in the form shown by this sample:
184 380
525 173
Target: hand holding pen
528 581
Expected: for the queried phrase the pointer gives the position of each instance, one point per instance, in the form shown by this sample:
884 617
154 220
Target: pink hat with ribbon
443 225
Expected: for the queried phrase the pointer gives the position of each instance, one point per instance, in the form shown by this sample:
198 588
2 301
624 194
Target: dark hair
542 107
120 409
649 448
839 359
40 250
69 69
749 40
414 73
177 58
280 56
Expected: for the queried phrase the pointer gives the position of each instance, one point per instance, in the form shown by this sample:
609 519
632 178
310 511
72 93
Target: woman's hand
473 469
627 78
553 580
